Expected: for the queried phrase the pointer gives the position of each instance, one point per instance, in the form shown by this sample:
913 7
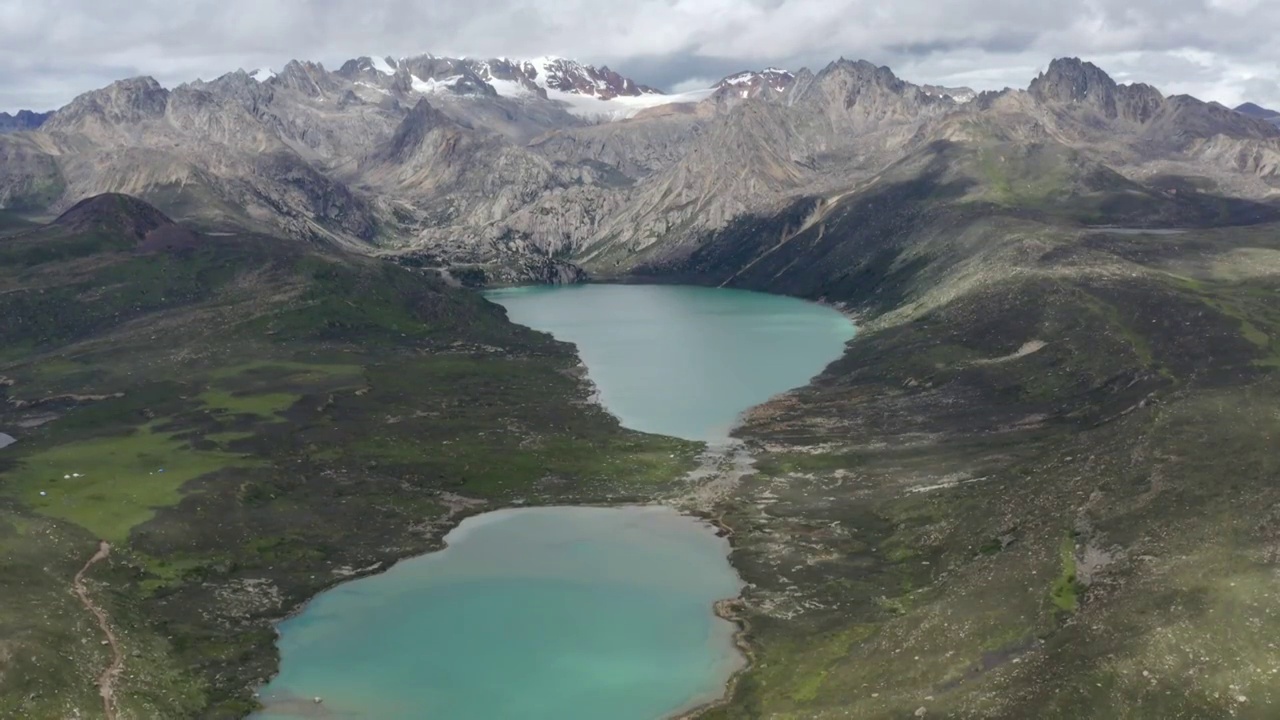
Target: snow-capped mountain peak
583 90
598 93
570 76
556 74
382 65
752 83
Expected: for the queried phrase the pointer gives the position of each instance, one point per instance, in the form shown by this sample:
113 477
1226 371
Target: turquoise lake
570 613
529 614
679 360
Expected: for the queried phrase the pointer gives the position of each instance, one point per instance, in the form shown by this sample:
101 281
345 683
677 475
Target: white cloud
53 49
692 84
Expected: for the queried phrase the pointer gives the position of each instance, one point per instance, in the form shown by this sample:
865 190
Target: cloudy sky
1225 50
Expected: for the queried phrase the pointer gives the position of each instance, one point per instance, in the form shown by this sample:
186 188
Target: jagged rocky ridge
22 120
507 165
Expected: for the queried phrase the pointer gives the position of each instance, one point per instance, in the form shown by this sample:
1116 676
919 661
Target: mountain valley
1039 483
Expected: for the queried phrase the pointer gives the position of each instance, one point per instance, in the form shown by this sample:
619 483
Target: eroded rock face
1078 85
555 272
1071 81
110 113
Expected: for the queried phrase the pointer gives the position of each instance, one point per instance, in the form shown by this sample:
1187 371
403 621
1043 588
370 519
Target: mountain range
519 169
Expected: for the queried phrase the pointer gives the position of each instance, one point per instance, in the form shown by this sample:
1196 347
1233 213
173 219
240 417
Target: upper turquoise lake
679 360
562 612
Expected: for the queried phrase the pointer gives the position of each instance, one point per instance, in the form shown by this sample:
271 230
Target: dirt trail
107 680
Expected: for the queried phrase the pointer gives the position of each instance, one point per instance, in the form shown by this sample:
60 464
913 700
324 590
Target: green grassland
108 485
1041 483
941 523
248 421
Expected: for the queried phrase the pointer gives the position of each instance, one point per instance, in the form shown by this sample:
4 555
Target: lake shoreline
731 610
728 609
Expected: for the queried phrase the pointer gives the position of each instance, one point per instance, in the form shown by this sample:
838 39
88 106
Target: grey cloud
1000 44
1221 49
665 71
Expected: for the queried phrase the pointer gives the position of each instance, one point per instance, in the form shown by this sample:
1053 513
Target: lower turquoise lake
529 614
573 613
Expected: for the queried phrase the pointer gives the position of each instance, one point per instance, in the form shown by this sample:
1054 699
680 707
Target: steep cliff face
1071 81
1141 131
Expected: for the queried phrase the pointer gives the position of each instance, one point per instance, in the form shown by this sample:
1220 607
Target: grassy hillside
1041 483
248 420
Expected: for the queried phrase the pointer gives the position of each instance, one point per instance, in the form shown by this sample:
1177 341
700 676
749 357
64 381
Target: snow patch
622 106
740 79
511 88
595 108
748 76
544 66
589 106
769 76
381 65
262 74
432 86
